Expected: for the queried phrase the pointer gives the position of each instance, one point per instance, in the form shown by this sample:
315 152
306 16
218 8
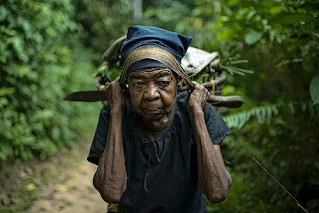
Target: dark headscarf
147 47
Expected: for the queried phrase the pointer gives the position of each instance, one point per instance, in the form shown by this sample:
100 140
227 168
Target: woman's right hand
115 96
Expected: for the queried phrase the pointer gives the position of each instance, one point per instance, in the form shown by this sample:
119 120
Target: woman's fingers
199 95
114 93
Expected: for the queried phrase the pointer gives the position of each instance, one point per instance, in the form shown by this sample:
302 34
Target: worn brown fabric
157 54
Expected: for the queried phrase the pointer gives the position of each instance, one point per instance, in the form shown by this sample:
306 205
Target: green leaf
3 13
6 150
250 14
20 71
275 10
227 11
44 114
314 90
252 37
272 34
18 45
6 91
290 18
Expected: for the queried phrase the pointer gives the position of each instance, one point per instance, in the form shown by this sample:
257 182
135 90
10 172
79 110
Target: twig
298 204
229 55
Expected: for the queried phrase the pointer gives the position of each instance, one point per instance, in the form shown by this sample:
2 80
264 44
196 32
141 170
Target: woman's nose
151 92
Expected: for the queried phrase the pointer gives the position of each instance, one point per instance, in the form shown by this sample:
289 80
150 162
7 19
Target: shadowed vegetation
51 48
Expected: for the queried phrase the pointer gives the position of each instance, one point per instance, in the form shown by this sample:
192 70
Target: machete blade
86 96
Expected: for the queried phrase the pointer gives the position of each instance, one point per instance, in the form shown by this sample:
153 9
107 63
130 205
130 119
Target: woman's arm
214 179
110 177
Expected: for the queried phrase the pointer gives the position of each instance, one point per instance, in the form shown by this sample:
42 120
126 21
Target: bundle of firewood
200 65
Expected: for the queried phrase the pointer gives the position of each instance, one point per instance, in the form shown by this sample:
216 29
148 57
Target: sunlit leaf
18 45
62 188
275 10
3 13
252 37
30 187
251 14
44 114
272 34
6 91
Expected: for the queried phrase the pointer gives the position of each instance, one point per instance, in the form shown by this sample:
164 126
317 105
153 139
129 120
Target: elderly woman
157 149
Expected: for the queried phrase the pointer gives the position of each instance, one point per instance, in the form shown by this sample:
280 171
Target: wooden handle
225 101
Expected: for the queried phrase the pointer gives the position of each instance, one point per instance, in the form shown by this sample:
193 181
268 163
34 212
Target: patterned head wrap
147 47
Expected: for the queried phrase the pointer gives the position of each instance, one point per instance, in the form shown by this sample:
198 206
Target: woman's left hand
197 98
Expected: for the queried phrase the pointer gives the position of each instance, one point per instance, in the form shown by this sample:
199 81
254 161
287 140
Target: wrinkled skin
152 93
115 96
213 177
110 176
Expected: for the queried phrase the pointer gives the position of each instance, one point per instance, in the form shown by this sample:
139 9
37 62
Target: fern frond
262 114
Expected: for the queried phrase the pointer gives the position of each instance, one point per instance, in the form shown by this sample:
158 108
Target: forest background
50 48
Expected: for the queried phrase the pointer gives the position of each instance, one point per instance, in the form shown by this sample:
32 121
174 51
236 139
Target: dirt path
71 190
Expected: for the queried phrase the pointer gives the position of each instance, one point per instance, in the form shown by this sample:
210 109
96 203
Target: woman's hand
214 179
110 177
197 98
115 96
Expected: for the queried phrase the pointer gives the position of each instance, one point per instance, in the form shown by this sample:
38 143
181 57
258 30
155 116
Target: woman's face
152 93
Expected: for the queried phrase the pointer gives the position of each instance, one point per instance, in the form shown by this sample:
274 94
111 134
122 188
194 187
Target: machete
86 96
97 95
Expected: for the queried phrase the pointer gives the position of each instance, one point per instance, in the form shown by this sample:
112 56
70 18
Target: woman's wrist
117 109
196 110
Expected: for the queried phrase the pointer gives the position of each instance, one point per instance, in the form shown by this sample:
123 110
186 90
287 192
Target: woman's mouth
152 110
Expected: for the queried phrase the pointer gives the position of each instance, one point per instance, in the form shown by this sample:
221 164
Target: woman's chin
156 121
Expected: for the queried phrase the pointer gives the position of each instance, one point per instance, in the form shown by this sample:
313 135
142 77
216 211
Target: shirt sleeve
216 126
99 140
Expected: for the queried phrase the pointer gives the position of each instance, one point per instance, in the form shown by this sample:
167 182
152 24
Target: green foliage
22 197
41 61
108 71
262 114
286 151
103 22
314 90
265 114
253 36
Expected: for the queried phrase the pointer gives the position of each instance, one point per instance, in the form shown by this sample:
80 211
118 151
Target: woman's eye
139 84
163 83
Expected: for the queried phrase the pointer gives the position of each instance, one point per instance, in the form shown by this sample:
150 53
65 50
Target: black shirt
162 173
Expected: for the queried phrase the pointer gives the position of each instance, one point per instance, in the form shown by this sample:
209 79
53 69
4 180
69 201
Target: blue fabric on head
138 36
144 64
